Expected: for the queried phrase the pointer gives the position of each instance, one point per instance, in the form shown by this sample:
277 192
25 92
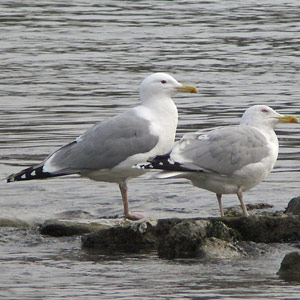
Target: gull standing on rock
108 150
229 159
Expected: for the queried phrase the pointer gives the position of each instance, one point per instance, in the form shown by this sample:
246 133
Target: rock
68 228
13 223
290 267
256 208
216 228
213 248
177 238
266 229
164 226
183 239
133 238
197 238
293 206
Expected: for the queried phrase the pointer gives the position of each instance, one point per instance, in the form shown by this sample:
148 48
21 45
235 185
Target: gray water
68 64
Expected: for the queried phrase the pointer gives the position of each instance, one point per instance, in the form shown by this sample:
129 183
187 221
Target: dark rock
256 208
164 226
290 267
216 228
213 248
183 239
67 228
293 206
266 229
133 238
177 238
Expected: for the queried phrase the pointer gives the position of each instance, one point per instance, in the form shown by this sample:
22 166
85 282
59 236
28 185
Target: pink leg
127 213
219 197
240 196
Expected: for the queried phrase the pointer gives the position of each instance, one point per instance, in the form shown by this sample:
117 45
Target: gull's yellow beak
187 89
288 119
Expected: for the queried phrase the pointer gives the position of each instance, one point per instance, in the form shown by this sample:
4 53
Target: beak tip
187 89
289 119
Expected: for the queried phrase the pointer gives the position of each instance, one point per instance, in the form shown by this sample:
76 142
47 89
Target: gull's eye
163 81
264 110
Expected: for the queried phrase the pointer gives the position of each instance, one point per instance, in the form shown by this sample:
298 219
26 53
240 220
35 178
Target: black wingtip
10 178
162 162
29 174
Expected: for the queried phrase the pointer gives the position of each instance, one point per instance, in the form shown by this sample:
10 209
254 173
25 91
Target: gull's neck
163 104
163 114
271 137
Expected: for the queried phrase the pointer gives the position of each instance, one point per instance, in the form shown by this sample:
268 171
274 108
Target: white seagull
229 159
108 150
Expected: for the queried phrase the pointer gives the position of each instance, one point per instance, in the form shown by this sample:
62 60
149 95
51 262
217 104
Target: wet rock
196 238
183 239
252 249
178 238
164 226
133 238
68 228
290 267
216 228
259 206
293 206
266 229
13 223
256 208
213 248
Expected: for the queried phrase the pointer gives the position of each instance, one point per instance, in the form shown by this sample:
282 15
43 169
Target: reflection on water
65 66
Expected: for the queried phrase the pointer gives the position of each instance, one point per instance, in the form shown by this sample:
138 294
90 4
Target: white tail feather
166 174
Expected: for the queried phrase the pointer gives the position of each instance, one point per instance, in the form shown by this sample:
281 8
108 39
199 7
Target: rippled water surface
66 65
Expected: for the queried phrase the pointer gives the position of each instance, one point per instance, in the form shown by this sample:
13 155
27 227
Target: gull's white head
160 85
264 116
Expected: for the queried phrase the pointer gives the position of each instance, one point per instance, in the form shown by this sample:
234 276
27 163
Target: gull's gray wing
223 150
104 145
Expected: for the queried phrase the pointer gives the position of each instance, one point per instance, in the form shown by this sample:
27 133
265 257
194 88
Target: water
65 66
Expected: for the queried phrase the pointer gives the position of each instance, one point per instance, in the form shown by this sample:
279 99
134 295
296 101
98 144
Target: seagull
108 150
228 159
